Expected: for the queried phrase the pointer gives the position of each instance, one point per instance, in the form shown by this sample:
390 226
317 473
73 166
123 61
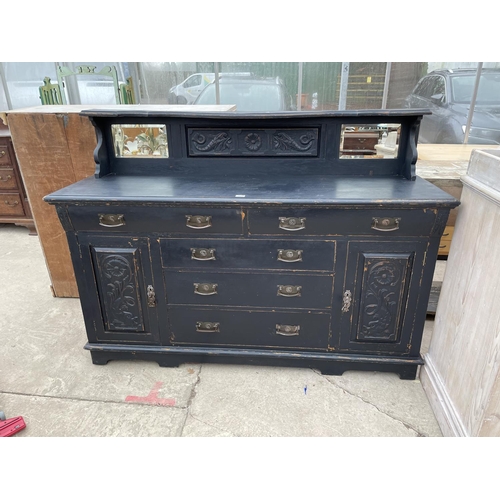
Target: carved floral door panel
377 315
120 287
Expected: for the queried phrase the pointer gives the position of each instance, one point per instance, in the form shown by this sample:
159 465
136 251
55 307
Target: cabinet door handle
7 179
386 223
13 204
292 223
288 330
151 296
289 290
207 327
346 301
205 288
2 153
198 221
290 255
111 220
203 253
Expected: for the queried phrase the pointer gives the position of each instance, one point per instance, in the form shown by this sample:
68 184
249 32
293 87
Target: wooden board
54 151
449 152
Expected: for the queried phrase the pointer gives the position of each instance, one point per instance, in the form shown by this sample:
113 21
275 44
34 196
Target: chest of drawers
14 206
249 240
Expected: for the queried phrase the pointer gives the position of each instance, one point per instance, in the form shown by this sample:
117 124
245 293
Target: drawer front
7 179
316 221
10 204
249 254
198 326
297 291
194 221
5 158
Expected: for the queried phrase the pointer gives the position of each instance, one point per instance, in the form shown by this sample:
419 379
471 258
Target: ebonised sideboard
255 239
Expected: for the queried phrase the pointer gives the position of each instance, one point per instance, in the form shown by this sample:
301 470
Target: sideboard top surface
270 190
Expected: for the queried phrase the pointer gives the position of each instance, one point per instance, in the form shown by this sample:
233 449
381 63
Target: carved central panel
383 295
118 288
253 142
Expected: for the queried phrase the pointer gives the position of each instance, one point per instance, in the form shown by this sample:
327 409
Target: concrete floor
48 378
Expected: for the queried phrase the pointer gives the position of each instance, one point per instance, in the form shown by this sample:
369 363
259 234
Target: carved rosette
122 308
253 142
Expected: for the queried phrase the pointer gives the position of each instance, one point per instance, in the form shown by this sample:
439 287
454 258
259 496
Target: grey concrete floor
48 378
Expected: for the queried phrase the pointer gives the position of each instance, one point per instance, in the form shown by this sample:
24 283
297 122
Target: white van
187 91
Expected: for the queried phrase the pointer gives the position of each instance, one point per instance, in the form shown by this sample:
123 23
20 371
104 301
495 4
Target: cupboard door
380 294
120 288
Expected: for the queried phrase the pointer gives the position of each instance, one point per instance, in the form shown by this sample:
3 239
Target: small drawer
284 290
5 158
7 179
325 221
10 204
275 254
198 326
143 219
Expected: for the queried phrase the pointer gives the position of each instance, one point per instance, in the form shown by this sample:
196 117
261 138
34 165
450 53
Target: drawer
445 241
249 254
195 221
10 204
295 222
5 158
284 290
7 179
198 326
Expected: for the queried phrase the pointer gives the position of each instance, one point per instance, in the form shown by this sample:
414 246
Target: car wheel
181 100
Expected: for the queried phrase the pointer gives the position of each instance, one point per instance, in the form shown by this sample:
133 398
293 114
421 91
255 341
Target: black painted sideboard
255 239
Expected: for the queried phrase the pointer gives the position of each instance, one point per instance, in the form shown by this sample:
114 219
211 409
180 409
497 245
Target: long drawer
275 254
281 290
195 221
298 222
197 326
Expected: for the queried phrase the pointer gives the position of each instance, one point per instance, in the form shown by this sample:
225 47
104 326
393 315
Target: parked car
448 94
249 94
188 90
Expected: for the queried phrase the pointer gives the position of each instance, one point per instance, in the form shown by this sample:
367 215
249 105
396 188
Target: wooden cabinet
14 206
253 241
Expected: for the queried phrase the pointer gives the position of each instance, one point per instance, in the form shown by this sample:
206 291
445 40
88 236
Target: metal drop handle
2 153
198 221
290 255
288 330
292 223
205 288
289 290
207 327
8 178
13 204
346 301
203 253
386 223
111 220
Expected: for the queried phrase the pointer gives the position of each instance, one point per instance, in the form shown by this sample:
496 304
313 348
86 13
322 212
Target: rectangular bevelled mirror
145 141
369 141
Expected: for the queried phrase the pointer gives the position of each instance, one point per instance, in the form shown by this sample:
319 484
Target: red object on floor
11 426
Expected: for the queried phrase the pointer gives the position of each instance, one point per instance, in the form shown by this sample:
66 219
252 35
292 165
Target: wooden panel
464 353
54 151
